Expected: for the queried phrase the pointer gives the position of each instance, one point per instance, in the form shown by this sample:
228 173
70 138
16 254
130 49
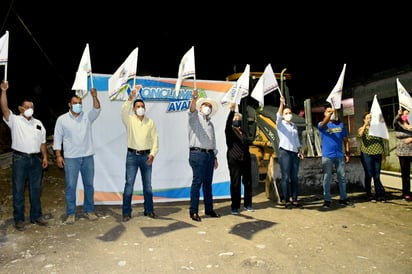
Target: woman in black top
239 161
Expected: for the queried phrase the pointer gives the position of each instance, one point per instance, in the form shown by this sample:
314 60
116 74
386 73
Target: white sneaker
235 212
249 208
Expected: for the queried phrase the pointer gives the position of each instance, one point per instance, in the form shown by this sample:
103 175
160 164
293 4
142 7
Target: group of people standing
74 151
336 153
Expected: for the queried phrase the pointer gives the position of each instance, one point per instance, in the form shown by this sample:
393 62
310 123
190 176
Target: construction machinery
260 125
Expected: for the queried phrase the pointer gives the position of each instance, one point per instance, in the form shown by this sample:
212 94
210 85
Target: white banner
171 174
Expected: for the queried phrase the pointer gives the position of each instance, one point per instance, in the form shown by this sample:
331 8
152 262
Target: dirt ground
367 238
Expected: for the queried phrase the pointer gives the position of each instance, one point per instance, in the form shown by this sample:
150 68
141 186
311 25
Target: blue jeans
372 168
289 168
133 163
202 164
26 168
72 168
327 165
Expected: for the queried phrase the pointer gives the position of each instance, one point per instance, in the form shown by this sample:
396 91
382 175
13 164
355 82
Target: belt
146 151
201 149
38 154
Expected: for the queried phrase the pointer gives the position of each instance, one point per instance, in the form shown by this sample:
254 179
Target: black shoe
151 215
20 225
381 199
213 214
126 218
370 198
288 205
326 205
345 202
40 221
195 217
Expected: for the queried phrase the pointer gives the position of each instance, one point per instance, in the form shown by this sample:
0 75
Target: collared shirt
75 134
141 134
201 132
27 135
288 134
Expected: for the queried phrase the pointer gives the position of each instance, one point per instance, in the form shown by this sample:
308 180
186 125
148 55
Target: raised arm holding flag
377 123
405 99
187 69
265 85
119 82
4 52
80 84
335 97
403 134
239 90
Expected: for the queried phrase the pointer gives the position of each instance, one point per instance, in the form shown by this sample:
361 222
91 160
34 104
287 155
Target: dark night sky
312 41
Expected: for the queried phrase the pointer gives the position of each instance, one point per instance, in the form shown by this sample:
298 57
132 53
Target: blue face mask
77 108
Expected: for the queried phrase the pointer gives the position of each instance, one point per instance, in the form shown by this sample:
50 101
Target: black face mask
236 123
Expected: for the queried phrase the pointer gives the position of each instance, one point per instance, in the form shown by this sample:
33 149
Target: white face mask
334 117
140 111
287 117
206 110
28 112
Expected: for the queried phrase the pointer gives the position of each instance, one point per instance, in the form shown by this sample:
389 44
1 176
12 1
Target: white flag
82 74
186 68
405 99
266 84
120 81
4 49
4 52
335 97
239 90
378 126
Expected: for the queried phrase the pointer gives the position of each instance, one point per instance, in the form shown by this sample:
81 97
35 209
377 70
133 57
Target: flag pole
91 73
91 79
282 87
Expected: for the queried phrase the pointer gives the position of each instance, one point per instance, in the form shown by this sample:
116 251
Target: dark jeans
240 172
134 162
372 167
202 164
289 168
26 168
405 164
